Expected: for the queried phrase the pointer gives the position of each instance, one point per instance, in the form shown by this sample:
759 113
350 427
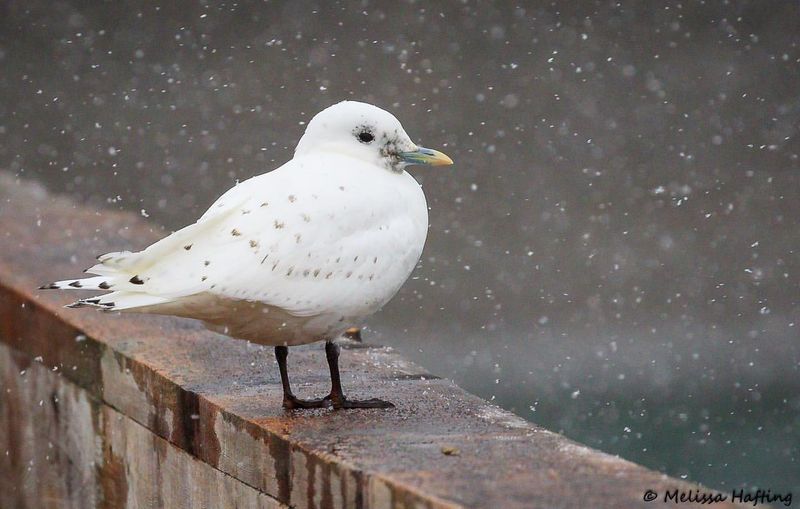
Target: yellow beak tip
443 160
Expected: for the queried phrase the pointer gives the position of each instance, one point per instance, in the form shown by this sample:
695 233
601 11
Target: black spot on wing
136 280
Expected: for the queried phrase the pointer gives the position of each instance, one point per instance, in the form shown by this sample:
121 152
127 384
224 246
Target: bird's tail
89 283
125 295
119 301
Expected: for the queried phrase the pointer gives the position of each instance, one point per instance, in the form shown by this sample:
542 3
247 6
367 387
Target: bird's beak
425 156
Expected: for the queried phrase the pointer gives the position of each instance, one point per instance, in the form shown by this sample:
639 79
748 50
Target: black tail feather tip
49 286
106 306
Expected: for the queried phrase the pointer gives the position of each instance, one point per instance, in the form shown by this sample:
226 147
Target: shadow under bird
293 256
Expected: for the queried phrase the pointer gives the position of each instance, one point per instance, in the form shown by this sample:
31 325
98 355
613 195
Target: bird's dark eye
365 137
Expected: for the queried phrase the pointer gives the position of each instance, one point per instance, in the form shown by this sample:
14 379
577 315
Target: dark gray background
615 252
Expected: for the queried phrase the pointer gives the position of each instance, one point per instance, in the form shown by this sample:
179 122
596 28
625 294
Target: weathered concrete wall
64 449
137 411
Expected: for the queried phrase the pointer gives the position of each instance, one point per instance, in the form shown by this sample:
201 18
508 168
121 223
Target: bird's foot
342 403
293 402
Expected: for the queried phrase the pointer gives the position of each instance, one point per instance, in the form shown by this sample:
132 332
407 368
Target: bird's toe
343 403
294 403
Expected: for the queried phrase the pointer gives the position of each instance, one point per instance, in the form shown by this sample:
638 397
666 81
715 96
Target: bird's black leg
290 401
337 396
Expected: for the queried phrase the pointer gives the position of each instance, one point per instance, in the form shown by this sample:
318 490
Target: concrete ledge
111 410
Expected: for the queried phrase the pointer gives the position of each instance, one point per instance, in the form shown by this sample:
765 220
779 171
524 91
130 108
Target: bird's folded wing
258 244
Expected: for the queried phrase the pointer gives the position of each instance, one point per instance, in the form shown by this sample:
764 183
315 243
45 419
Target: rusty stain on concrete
113 481
280 451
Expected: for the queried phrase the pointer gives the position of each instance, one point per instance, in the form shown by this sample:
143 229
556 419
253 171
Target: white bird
293 256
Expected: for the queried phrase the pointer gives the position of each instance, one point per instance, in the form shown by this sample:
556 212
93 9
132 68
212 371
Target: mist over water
613 255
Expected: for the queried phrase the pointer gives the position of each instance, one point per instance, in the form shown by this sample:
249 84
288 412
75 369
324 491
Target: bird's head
367 132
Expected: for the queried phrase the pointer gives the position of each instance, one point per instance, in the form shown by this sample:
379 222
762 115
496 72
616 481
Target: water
615 253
